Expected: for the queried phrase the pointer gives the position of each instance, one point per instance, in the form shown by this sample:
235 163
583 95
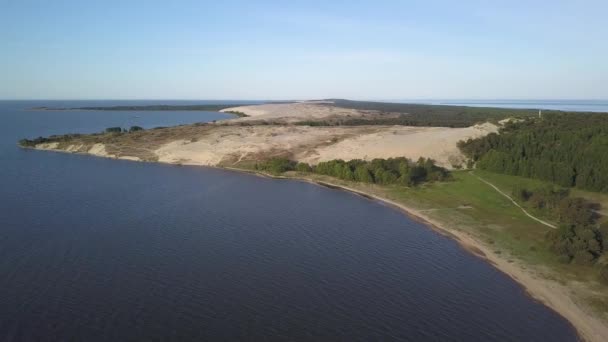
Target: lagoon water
563 105
99 249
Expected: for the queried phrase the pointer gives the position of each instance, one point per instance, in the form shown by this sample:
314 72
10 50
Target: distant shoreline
578 106
208 108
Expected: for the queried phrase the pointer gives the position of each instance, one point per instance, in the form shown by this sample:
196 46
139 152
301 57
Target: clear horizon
193 50
307 99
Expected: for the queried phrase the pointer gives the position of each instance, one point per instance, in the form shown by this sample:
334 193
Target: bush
237 113
380 171
583 258
564 259
578 243
604 274
603 234
51 139
303 167
135 129
28 142
276 165
113 130
575 211
520 193
362 174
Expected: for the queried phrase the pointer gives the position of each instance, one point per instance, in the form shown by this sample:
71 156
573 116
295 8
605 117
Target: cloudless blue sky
303 49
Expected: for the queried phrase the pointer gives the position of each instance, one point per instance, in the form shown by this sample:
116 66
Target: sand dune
232 144
438 143
290 112
247 139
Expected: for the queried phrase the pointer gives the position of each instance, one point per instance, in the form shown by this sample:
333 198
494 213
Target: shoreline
550 293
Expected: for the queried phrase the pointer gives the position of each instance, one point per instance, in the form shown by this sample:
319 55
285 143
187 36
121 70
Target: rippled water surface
563 105
100 249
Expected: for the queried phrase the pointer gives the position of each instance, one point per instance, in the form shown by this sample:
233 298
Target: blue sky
303 49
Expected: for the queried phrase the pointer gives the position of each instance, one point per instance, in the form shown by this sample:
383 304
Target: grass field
485 214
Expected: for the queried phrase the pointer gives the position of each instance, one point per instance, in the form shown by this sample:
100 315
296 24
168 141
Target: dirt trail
515 203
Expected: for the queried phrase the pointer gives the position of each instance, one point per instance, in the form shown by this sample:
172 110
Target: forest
570 150
409 114
209 107
400 171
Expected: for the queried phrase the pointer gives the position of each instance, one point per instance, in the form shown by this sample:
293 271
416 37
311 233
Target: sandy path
513 201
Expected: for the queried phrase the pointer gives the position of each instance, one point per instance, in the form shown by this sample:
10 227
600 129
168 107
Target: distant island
527 193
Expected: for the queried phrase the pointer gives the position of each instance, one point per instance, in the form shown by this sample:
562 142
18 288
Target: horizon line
305 99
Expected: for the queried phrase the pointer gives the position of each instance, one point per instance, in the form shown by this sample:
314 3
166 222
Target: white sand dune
289 112
231 144
438 143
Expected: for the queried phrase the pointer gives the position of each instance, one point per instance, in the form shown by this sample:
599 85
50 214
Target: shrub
380 171
135 129
521 193
362 174
276 165
583 258
113 130
603 234
303 167
564 259
575 211
27 142
604 274
237 113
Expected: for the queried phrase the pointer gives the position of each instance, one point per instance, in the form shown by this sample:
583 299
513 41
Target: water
99 249
564 105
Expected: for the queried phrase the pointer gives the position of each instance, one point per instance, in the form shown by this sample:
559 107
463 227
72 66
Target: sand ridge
297 111
229 145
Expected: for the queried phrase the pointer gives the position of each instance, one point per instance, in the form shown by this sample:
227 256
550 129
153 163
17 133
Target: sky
375 50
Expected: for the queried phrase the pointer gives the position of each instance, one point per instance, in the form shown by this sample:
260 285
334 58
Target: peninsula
500 181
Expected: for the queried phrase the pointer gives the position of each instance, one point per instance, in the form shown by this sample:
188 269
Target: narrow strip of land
515 203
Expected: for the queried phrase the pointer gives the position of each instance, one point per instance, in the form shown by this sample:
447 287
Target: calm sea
564 105
94 249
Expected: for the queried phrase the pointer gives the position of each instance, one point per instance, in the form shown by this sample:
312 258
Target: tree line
413 114
69 137
123 130
161 107
566 149
401 171
399 120
579 238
